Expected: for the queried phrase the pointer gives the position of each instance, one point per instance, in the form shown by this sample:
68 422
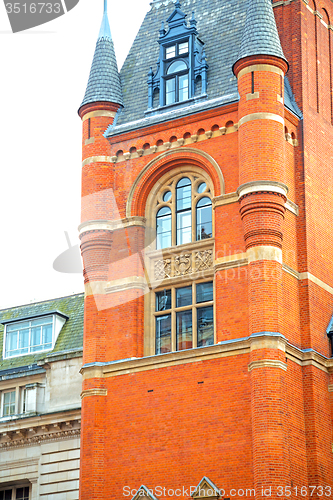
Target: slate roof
69 339
221 26
104 82
260 34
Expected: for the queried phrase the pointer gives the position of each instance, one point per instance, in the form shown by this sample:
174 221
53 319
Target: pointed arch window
184 212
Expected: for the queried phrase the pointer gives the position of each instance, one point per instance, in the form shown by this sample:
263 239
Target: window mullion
174 223
29 345
194 222
17 399
194 318
173 321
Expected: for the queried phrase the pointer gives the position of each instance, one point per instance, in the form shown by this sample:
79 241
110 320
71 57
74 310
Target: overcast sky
44 73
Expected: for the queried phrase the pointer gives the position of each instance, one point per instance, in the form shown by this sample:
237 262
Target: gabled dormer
181 73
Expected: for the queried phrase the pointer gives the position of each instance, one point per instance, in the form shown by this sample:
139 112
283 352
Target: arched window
184 216
204 218
177 83
179 310
183 211
163 227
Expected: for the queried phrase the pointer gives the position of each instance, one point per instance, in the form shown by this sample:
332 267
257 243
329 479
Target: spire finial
178 4
105 5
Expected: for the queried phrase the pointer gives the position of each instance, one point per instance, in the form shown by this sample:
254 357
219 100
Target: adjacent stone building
40 386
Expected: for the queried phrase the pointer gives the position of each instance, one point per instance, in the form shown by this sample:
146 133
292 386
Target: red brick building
206 238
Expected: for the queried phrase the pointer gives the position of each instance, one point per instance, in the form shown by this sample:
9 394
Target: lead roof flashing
260 35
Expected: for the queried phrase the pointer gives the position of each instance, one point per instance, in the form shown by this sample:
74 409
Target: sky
44 73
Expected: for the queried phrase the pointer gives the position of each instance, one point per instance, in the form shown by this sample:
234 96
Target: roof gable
206 489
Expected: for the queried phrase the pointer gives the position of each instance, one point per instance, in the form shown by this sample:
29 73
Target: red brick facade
255 410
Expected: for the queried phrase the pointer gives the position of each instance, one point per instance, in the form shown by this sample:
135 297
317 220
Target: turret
260 69
102 100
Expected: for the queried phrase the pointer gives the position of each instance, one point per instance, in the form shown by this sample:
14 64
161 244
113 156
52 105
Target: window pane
204 292
22 493
183 88
202 187
35 336
11 342
23 341
167 196
8 403
204 219
17 326
205 326
184 227
47 334
184 296
184 330
183 48
163 300
163 227
170 92
184 193
170 52
7 495
176 66
163 334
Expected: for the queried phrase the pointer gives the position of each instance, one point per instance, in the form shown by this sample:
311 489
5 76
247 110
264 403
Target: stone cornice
30 430
235 347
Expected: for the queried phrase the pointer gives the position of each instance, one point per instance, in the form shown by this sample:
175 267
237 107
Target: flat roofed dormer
32 334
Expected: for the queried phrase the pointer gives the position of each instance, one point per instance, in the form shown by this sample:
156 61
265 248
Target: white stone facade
40 443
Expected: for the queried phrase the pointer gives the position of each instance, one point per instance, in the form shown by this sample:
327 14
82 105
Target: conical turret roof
260 36
104 81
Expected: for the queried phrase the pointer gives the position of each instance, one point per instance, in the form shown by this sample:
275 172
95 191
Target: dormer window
182 63
32 335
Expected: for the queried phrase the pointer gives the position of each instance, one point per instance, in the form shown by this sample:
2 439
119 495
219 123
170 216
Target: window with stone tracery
181 304
184 212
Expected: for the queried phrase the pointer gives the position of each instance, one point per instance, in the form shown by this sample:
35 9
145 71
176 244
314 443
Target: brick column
262 194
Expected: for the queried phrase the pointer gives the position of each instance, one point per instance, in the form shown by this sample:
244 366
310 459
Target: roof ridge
42 301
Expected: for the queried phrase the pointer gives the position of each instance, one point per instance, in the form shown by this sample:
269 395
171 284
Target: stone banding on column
262 186
99 113
96 159
267 363
260 67
109 225
129 283
261 116
94 392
